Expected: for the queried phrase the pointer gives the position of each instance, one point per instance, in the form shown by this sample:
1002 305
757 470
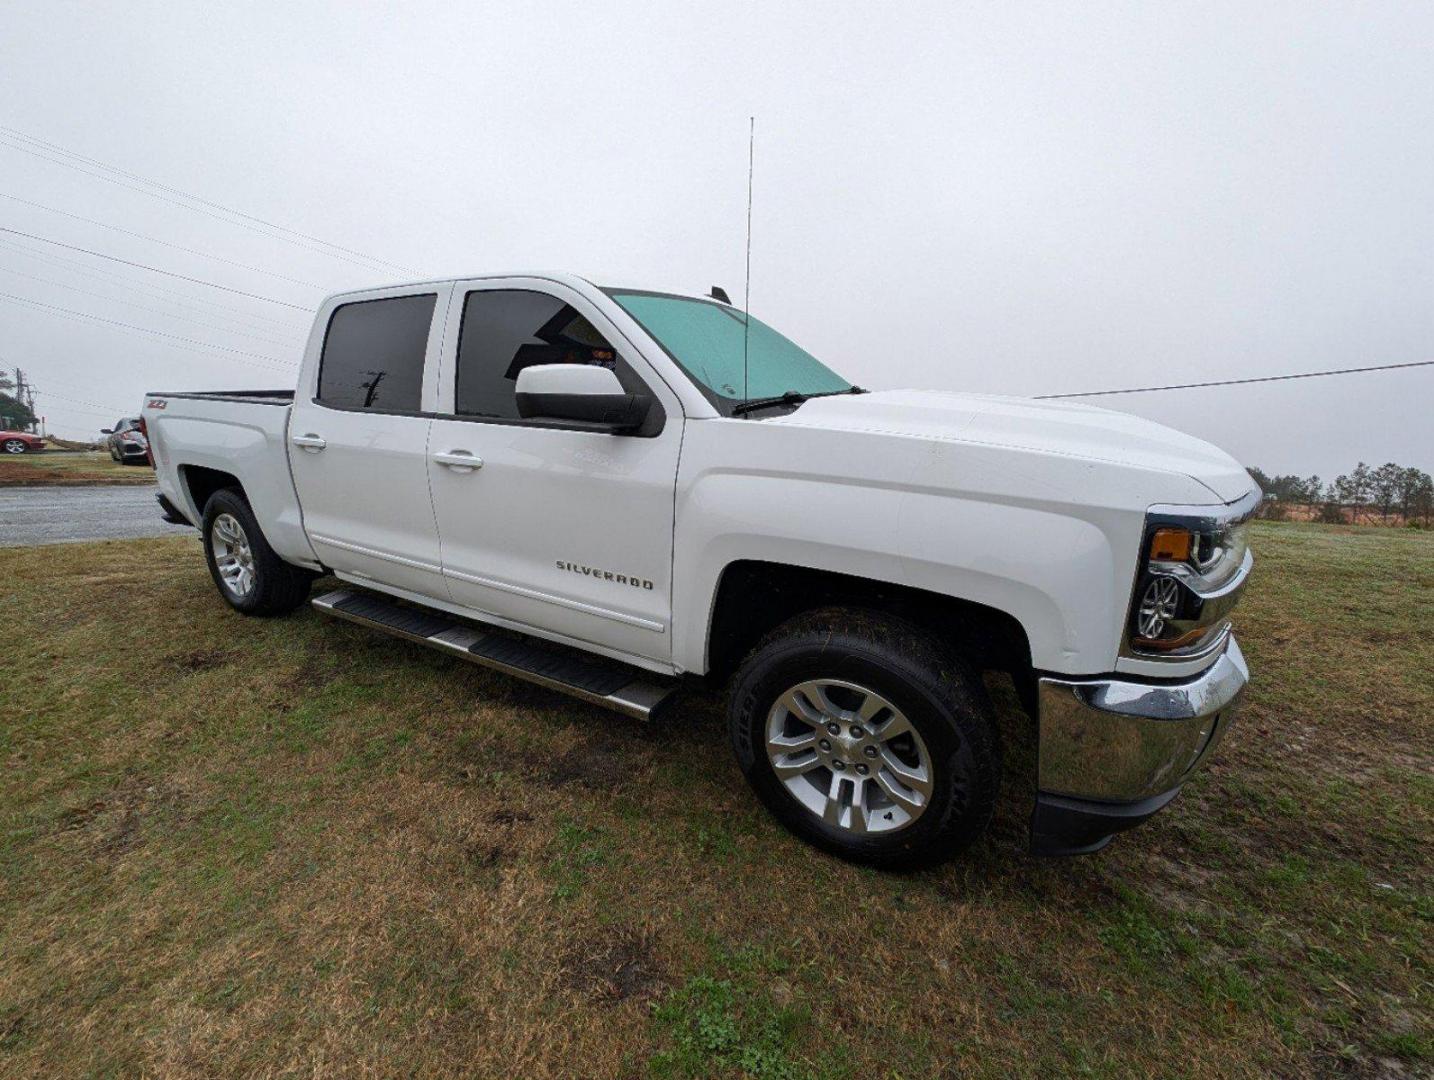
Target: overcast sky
1002 198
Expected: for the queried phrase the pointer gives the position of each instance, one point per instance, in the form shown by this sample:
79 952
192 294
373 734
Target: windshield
705 337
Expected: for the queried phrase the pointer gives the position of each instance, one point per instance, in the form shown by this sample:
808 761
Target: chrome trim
374 553
1208 517
1200 585
1117 740
1215 607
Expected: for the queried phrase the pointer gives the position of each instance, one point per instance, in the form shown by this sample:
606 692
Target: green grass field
291 847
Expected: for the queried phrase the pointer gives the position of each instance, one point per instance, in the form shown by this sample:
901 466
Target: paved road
59 515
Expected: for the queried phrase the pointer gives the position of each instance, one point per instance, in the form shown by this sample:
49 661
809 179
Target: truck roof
562 277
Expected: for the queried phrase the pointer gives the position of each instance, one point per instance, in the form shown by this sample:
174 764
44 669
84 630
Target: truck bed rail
252 397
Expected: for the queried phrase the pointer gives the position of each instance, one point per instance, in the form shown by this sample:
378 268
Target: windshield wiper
791 397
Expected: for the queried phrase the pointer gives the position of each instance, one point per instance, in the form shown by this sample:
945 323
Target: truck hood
1079 431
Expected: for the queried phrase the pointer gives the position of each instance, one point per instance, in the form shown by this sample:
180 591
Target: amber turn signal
1171 545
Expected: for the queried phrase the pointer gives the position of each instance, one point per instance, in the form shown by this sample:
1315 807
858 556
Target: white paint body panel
1033 508
567 379
365 495
244 439
1047 538
545 532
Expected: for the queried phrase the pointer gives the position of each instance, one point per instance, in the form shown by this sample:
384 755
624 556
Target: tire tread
279 586
913 655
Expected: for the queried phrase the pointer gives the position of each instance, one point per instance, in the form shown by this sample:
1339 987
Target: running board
593 679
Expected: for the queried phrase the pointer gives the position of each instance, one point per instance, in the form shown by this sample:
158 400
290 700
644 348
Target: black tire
941 696
277 587
10 445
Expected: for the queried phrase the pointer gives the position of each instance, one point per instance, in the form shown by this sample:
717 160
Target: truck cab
600 487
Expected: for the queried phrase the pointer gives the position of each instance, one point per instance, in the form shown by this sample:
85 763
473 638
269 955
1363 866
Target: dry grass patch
59 470
292 847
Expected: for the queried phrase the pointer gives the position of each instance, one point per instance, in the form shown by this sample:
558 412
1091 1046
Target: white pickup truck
607 490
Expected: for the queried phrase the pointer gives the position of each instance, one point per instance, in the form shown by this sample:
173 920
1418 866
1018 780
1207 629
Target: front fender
1049 540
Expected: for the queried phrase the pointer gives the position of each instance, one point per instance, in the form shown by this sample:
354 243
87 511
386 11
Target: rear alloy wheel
866 737
233 557
250 575
15 446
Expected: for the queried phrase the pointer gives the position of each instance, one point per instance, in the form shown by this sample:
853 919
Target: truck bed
200 439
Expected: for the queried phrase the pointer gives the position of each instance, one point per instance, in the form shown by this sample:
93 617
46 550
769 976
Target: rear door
359 439
561 530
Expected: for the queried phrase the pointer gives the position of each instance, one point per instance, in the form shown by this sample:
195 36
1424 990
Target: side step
591 678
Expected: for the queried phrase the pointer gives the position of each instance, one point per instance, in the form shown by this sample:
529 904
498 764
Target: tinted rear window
373 354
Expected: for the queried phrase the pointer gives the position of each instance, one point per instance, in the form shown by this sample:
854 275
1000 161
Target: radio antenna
747 283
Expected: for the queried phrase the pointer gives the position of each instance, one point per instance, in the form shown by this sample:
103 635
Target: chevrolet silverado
608 491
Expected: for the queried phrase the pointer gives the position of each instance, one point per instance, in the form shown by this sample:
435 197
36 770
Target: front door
559 529
359 442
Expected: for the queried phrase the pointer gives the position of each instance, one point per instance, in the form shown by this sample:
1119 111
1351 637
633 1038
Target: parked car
20 442
126 441
608 491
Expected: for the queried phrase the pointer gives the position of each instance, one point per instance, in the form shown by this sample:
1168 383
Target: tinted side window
373 354
506 330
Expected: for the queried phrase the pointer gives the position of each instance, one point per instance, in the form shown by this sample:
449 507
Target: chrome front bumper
1113 751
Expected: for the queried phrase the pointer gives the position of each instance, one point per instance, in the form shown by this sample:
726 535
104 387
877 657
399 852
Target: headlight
1194 564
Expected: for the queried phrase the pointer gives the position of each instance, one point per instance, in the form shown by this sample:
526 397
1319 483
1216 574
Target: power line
153 311
50 380
153 269
281 232
71 410
174 202
1240 382
106 411
155 292
12 135
271 360
157 240
81 401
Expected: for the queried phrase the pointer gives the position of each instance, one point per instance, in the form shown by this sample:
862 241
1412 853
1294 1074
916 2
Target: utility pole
25 395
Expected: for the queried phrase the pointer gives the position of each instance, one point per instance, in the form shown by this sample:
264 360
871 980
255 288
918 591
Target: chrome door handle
309 442
459 460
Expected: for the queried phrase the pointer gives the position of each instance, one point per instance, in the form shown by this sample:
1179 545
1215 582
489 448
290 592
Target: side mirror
583 392
107 431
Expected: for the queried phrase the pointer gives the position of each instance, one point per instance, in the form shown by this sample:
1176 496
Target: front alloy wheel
849 756
15 446
866 736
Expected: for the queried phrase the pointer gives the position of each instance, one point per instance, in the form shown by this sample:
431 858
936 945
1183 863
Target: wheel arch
200 482
752 597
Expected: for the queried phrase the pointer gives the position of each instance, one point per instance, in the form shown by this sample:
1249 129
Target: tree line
1381 495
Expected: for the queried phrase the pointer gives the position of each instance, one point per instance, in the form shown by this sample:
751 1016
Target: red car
20 442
